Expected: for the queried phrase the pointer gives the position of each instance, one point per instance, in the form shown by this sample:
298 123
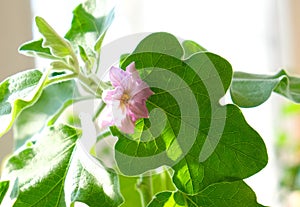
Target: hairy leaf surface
17 93
33 119
55 170
58 46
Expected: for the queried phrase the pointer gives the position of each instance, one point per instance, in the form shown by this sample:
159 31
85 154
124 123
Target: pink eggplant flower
126 103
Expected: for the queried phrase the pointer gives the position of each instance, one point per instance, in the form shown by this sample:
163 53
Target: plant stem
99 110
90 84
103 135
59 79
144 187
64 106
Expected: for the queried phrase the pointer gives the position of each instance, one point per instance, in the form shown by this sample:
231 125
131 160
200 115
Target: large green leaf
225 194
55 170
34 118
18 92
250 90
160 42
89 182
203 141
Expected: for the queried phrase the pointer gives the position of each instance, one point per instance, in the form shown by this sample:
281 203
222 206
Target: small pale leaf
58 46
35 48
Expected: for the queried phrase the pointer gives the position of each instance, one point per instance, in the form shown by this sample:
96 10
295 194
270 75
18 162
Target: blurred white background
254 36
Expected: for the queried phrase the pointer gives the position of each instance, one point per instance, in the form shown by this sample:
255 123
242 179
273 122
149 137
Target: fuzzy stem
103 135
99 110
64 107
59 79
90 84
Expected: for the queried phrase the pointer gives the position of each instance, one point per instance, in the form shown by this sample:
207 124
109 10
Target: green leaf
85 59
106 24
188 130
35 48
17 93
250 90
60 65
34 118
227 194
129 191
8 192
123 58
160 42
91 183
130 187
58 46
190 47
3 189
55 170
88 30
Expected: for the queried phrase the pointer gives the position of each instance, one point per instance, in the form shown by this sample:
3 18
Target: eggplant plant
157 136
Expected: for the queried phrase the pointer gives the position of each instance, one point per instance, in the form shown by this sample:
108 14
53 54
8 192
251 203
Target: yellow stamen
125 98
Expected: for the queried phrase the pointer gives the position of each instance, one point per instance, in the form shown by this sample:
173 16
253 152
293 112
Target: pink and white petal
110 95
107 96
139 87
137 111
132 70
118 93
117 76
105 119
142 95
121 119
127 126
130 85
118 112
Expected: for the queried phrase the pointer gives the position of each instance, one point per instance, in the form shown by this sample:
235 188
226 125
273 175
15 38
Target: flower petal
107 96
134 73
110 95
131 68
105 119
141 94
117 76
129 84
127 102
137 111
127 125
121 118
118 112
